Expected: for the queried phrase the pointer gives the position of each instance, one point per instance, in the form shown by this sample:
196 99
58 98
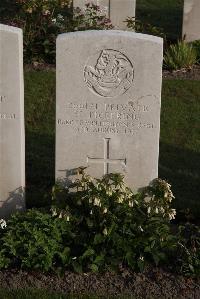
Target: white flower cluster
160 204
97 202
168 194
105 232
59 19
172 214
60 214
3 223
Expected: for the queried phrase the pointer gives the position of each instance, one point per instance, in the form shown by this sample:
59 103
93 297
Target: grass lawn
166 14
179 142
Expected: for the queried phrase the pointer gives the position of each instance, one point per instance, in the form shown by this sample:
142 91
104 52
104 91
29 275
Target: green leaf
77 267
89 252
94 268
191 268
65 255
99 238
141 265
156 259
99 259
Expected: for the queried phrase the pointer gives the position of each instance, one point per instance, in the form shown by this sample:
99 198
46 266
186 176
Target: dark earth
188 74
152 284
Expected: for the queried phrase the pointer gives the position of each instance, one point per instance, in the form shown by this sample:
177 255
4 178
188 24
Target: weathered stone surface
118 10
191 20
12 153
108 104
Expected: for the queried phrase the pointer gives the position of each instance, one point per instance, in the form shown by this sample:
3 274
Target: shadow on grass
179 167
40 168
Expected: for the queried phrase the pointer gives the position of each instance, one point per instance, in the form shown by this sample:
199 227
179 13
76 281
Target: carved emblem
111 75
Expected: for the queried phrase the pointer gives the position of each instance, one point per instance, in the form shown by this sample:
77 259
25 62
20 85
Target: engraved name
126 118
7 116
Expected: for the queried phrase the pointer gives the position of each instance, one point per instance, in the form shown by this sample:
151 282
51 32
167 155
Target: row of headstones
118 10
107 108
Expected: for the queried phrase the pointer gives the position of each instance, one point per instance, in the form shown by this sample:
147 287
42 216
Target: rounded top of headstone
10 28
127 34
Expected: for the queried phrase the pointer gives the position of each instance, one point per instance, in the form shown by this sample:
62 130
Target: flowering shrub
91 17
43 20
100 224
36 19
113 225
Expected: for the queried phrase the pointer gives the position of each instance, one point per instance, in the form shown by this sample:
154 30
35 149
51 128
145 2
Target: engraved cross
106 159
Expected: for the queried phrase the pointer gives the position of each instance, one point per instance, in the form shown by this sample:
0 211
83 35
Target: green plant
113 226
89 18
100 224
143 27
37 19
196 46
43 20
35 240
188 254
180 56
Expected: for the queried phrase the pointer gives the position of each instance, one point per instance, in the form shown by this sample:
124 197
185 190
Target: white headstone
12 153
191 20
118 10
108 104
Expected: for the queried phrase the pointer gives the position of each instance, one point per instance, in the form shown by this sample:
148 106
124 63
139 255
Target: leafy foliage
43 20
100 224
180 56
113 225
143 27
34 240
36 18
91 17
189 250
196 46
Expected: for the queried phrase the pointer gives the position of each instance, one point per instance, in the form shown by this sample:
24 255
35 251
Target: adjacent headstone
12 153
191 20
117 10
108 104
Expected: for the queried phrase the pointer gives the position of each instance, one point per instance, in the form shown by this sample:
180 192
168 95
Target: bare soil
153 284
189 74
